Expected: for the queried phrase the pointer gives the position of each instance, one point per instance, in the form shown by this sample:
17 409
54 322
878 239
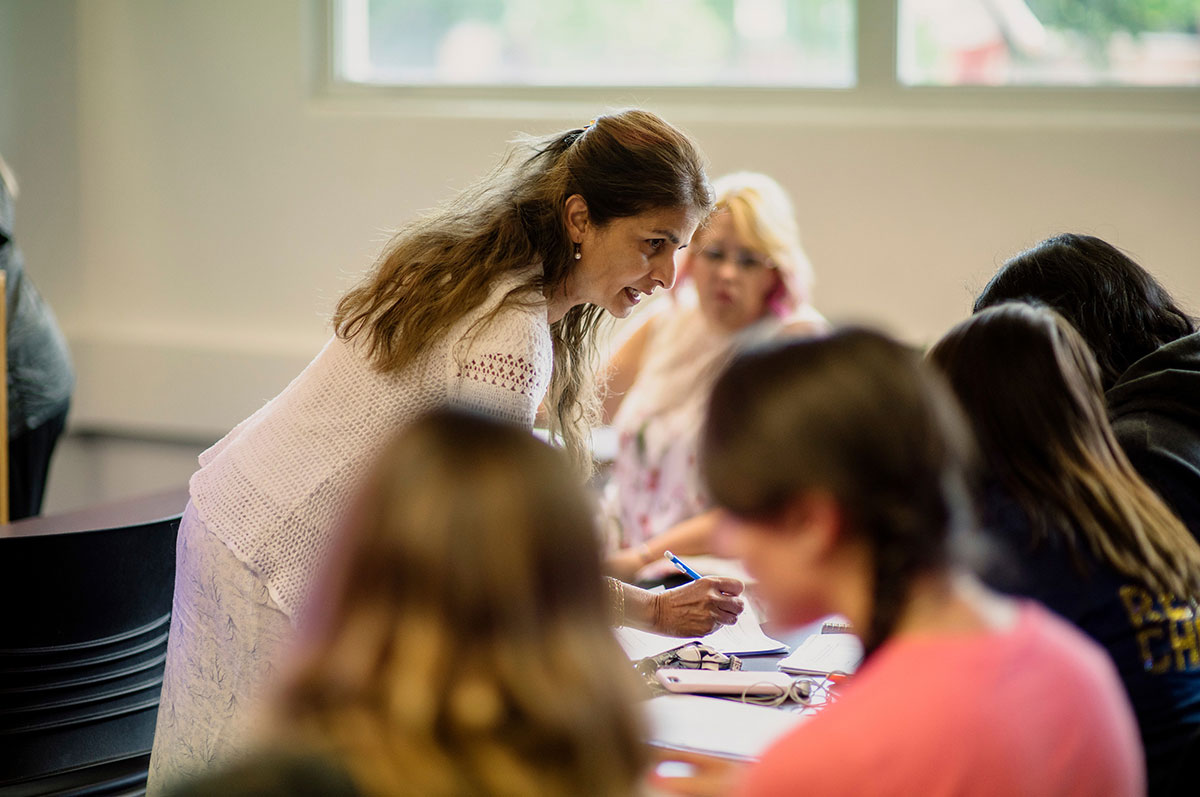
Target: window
895 52
1049 42
589 42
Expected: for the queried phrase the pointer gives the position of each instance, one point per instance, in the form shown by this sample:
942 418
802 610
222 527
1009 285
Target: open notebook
822 654
743 638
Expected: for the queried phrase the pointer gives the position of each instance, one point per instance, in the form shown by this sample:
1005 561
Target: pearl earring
578 254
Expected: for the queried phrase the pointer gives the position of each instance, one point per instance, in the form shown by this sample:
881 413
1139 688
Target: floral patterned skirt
223 649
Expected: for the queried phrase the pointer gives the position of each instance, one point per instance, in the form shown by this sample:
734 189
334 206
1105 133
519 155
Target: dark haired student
490 302
1074 526
1148 350
842 466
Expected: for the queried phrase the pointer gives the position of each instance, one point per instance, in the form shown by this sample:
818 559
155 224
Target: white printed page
822 654
744 637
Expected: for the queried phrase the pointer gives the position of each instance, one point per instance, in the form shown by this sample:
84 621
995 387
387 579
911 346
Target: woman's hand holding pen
694 609
698 607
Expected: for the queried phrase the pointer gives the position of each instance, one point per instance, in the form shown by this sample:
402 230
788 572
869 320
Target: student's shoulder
1055 639
1077 700
1069 669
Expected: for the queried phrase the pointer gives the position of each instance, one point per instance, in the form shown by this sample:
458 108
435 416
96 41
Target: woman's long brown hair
446 263
1031 387
459 641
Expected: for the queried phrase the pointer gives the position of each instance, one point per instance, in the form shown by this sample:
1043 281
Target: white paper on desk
718 727
822 654
745 637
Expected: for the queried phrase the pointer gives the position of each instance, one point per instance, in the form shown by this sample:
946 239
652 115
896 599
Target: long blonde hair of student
460 641
1031 388
444 264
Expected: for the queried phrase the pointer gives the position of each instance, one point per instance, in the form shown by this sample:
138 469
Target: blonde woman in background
749 281
460 642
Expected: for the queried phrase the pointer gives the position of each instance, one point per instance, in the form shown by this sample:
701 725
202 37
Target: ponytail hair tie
571 136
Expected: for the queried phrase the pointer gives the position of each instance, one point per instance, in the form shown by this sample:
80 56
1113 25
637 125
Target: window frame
876 95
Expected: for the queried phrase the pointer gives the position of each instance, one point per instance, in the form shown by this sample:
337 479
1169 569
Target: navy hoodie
1155 411
1152 638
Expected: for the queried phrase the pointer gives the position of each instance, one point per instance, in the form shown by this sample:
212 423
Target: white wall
192 206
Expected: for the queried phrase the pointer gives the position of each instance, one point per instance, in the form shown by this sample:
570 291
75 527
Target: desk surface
705 724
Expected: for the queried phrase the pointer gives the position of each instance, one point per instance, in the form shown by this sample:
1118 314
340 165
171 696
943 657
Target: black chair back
83 640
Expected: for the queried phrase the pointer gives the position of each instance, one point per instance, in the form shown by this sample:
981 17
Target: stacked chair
84 615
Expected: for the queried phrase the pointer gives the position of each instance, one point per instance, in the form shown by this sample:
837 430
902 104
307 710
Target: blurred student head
1032 391
747 262
1116 305
835 455
460 642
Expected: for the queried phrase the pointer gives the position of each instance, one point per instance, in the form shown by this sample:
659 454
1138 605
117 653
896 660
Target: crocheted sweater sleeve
502 369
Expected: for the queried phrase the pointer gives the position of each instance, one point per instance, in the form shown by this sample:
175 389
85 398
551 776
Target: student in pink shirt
842 467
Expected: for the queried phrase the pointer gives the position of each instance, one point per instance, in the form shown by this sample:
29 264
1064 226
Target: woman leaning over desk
490 302
752 281
1074 526
843 465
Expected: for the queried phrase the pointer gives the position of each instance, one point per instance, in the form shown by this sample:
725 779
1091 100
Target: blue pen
687 571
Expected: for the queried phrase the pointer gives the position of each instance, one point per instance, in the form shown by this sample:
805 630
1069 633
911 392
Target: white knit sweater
275 487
